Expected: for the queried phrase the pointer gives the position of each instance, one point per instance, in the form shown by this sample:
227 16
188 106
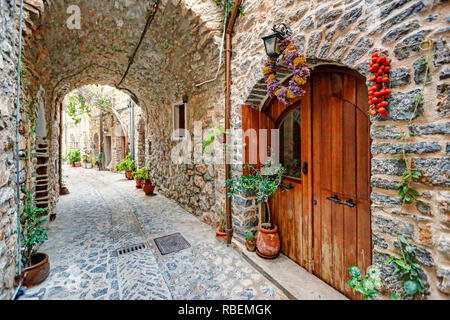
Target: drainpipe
102 155
229 32
131 106
19 67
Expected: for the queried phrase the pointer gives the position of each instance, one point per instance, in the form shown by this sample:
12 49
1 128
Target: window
290 144
179 121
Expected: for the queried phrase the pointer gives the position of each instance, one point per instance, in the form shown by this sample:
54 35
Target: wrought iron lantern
272 42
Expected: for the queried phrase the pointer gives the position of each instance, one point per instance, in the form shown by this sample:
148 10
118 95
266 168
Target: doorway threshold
296 282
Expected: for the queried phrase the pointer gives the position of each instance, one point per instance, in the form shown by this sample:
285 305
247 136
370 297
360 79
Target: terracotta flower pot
78 164
38 271
138 183
128 173
268 242
63 191
251 245
148 187
221 235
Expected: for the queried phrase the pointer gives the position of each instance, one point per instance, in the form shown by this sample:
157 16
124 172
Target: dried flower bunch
296 63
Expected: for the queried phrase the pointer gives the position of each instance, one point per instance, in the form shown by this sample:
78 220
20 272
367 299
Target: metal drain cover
131 248
171 243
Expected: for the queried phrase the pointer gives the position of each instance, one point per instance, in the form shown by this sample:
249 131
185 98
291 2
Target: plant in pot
221 233
74 157
128 165
264 183
147 185
37 265
140 175
85 160
250 241
93 161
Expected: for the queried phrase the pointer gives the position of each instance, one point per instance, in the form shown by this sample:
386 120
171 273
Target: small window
290 146
179 121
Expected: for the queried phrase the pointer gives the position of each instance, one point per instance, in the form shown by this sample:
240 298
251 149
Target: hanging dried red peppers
379 91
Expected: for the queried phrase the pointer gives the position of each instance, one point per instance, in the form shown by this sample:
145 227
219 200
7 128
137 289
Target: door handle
336 199
286 186
305 167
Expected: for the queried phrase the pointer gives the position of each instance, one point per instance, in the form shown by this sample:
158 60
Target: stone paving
105 212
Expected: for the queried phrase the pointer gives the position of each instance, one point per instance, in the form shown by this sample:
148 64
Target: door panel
341 164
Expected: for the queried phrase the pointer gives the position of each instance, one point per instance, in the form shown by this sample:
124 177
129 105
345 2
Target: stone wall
346 33
8 200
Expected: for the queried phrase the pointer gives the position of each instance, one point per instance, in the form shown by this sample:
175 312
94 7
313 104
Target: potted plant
250 241
140 176
74 157
93 161
221 233
85 160
264 183
128 165
37 265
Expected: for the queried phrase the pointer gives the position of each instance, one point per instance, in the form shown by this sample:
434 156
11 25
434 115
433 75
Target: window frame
175 126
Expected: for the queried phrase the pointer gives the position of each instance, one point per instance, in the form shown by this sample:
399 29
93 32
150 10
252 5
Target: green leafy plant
250 236
407 266
141 173
211 137
126 164
85 158
33 232
81 101
93 160
367 285
264 183
406 193
74 156
228 6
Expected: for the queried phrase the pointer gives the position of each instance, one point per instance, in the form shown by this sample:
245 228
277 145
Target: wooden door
290 206
340 170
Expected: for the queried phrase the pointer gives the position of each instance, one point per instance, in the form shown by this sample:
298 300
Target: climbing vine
228 6
408 268
80 102
405 191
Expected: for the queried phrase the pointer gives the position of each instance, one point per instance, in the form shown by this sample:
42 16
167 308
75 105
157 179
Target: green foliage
141 173
209 140
408 268
228 6
32 231
81 101
126 164
250 236
85 158
367 285
94 160
395 296
405 191
264 183
74 156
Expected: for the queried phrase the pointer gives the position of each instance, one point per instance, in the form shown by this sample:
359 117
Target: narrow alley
105 212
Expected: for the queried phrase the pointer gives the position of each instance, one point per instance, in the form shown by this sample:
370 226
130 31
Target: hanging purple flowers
296 63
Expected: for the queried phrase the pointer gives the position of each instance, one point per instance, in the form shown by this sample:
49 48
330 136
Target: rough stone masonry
345 33
181 49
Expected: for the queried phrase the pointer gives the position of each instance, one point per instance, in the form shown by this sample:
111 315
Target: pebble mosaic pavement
105 212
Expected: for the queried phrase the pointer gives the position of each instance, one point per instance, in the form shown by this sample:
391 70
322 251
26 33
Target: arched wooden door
324 219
